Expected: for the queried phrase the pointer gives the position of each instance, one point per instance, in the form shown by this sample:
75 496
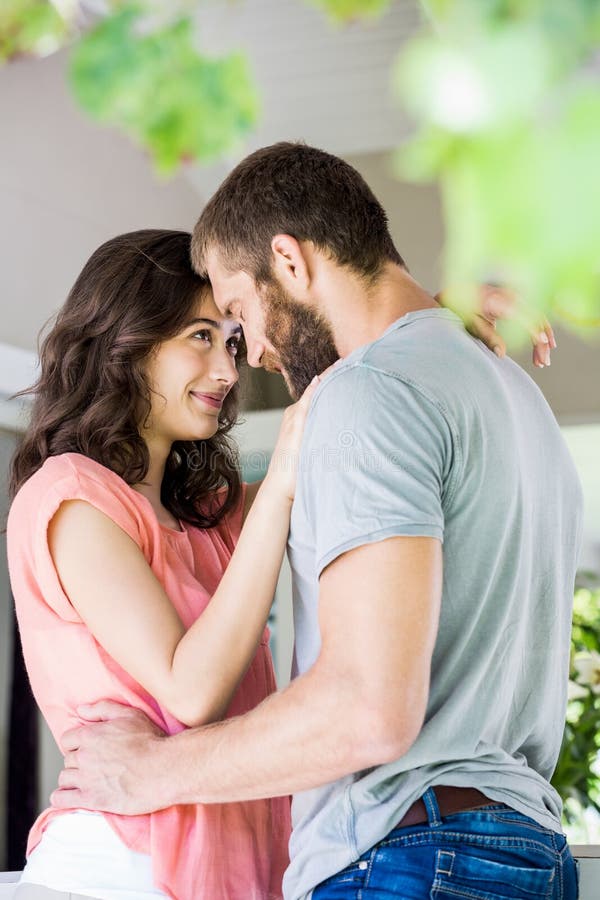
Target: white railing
8 884
588 856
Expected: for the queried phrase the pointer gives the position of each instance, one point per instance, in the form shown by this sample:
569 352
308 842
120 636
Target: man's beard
301 336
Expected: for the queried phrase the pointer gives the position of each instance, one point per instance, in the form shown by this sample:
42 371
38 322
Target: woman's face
190 375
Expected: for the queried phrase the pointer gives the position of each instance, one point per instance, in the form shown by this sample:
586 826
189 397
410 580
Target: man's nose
255 351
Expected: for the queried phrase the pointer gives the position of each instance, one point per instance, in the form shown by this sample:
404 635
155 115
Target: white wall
66 185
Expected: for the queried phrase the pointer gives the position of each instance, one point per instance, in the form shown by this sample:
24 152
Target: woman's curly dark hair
136 291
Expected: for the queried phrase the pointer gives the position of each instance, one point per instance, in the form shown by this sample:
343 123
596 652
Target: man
433 545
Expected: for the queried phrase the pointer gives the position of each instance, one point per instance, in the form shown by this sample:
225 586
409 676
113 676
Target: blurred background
477 124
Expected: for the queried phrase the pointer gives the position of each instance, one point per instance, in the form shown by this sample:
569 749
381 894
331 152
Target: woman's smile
214 401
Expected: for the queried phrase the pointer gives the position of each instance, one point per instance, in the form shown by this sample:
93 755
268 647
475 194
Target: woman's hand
283 467
497 302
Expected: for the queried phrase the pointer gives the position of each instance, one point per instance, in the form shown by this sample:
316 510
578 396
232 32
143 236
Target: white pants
79 855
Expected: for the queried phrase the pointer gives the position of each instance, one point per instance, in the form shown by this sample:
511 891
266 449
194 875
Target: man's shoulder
415 354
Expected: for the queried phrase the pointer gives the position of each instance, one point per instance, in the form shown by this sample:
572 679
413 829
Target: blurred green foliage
157 87
503 93
30 26
577 773
345 10
139 70
507 105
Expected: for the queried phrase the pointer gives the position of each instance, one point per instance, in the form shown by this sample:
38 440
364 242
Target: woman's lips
213 402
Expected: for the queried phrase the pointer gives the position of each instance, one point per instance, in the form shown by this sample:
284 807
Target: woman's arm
251 492
108 580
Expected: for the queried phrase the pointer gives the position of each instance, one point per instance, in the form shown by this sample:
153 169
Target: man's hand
113 764
502 303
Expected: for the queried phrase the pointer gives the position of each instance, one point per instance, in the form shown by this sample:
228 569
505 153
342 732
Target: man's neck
366 314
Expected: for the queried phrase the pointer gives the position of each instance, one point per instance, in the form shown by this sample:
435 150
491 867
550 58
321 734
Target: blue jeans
491 853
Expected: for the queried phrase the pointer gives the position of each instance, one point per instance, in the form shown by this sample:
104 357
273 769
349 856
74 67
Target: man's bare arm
360 705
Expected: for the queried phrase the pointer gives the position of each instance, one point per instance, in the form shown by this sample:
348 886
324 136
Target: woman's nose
224 368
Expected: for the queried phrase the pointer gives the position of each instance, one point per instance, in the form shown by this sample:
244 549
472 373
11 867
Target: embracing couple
432 517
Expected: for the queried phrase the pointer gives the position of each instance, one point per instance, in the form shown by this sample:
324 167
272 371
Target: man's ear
290 264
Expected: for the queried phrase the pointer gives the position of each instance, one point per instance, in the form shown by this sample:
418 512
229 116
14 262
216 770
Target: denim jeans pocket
459 874
353 875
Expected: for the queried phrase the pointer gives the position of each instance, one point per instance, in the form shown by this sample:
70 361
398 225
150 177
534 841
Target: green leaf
508 123
345 10
30 27
576 776
156 86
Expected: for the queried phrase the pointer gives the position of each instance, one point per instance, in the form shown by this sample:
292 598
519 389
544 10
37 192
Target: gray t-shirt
426 432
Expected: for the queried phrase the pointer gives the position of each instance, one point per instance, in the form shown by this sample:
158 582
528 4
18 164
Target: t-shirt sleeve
64 478
376 462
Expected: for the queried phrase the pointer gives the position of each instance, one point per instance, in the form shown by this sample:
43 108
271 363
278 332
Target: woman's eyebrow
212 323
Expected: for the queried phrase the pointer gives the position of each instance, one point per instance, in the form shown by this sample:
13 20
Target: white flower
588 670
576 691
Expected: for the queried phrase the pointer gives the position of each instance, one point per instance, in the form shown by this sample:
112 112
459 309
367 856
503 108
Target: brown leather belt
450 800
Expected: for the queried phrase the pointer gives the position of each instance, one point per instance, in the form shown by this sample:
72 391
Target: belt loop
431 806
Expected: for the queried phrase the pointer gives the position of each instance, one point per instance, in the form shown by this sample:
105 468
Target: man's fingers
69 778
70 760
104 710
71 739
67 798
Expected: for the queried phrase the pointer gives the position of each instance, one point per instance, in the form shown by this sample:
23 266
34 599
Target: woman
127 509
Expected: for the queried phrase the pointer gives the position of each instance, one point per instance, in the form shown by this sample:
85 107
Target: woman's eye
233 345
203 335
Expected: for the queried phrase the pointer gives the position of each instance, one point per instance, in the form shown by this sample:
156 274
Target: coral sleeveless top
233 851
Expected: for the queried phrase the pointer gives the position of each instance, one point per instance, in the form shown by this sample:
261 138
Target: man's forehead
225 300
219 280
217 272
230 288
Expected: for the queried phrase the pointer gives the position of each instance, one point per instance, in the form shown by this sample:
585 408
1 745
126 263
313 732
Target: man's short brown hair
290 188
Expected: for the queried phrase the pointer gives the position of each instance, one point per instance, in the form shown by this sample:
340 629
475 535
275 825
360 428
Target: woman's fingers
330 368
497 302
503 303
485 330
